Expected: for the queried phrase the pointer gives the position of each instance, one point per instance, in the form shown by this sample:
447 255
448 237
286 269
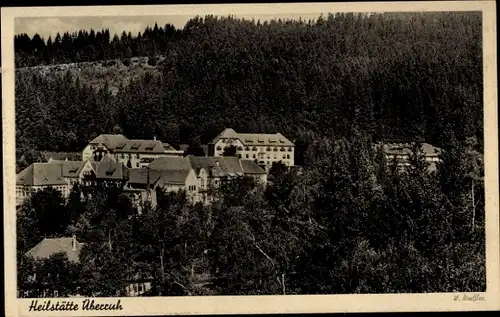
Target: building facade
401 152
60 175
265 149
131 153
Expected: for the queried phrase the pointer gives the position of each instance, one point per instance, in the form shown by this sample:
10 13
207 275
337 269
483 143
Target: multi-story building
401 152
132 153
261 148
176 174
198 174
60 175
212 171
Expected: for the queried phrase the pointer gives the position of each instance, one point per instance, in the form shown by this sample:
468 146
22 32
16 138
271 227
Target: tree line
349 222
90 45
409 75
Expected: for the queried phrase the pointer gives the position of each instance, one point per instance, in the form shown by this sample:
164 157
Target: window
275 149
288 156
140 287
56 293
240 148
219 148
268 149
284 156
289 149
254 149
123 156
247 155
254 156
268 157
247 148
282 149
138 156
137 164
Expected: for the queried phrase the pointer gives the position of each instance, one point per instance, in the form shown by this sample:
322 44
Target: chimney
73 243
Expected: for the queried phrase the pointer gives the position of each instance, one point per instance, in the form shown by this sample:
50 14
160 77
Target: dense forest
352 224
411 75
346 222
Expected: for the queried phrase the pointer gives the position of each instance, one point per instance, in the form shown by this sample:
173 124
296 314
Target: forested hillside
390 75
345 222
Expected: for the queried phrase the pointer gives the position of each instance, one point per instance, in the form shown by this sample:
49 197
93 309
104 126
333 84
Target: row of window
125 156
275 149
285 157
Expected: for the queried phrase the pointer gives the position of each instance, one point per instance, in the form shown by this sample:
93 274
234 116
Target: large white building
262 148
131 153
401 152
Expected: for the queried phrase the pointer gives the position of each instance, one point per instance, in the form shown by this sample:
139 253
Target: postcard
250 158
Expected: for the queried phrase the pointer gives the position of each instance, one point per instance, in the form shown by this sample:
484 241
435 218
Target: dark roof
70 168
140 176
41 174
110 140
119 143
49 247
405 149
174 177
170 163
109 169
140 146
250 167
74 156
217 166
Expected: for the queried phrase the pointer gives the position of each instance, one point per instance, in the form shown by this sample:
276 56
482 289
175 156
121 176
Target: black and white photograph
207 154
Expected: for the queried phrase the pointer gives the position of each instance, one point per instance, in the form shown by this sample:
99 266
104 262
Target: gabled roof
70 168
250 167
120 144
110 140
405 149
171 177
170 163
49 247
74 156
140 146
41 174
217 166
109 169
254 139
140 176
174 177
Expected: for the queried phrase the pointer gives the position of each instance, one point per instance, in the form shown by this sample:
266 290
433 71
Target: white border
264 304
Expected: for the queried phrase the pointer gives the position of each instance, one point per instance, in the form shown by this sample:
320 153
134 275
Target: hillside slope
115 72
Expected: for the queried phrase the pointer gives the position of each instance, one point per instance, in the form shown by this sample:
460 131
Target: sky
50 26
